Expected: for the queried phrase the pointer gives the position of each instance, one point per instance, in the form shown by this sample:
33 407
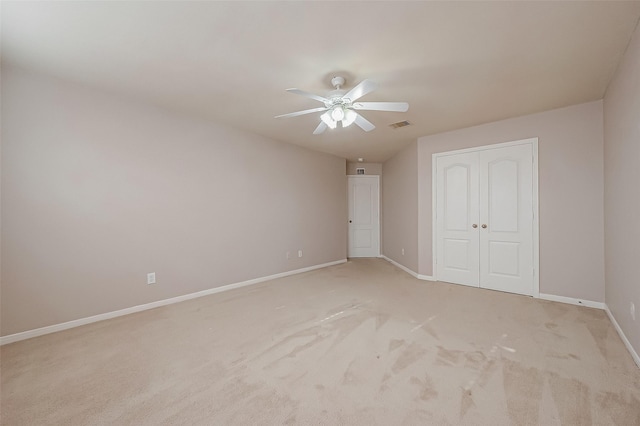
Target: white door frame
536 221
377 179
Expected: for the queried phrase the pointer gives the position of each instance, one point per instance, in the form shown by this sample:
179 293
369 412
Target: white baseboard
426 277
626 342
407 270
108 315
573 301
551 297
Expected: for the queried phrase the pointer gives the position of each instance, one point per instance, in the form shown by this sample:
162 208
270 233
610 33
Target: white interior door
485 223
506 216
364 216
457 219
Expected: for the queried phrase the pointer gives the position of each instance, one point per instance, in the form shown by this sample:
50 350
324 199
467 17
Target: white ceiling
457 63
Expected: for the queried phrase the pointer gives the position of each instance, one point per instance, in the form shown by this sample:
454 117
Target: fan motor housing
336 95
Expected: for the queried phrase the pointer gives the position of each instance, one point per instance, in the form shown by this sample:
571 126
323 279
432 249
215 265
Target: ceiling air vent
399 124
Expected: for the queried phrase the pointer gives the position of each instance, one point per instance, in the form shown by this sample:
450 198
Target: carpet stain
409 356
238 361
347 325
447 357
593 313
523 389
466 402
551 332
599 331
381 319
395 344
554 310
349 377
311 332
622 409
486 372
288 376
299 348
239 389
383 383
430 330
343 325
475 360
426 388
572 399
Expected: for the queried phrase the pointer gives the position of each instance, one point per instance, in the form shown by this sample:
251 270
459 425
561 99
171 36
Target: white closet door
506 209
456 215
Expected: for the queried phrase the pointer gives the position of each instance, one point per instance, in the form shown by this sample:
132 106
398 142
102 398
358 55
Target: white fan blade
321 128
382 106
364 124
365 86
306 111
309 95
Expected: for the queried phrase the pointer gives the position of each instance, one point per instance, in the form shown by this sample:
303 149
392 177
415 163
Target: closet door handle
484 225
475 225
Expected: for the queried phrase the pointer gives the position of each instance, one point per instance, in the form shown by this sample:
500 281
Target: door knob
484 225
475 225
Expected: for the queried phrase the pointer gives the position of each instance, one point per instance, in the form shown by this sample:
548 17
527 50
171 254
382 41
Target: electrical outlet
151 278
403 251
299 253
633 311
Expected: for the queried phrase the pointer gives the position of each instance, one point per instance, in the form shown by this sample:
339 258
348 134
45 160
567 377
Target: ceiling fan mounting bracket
337 82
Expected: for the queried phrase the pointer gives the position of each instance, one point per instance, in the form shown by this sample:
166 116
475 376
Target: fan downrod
337 82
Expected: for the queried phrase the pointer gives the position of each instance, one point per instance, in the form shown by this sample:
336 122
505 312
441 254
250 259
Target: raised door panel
363 201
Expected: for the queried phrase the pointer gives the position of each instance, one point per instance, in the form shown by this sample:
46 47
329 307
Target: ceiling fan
340 106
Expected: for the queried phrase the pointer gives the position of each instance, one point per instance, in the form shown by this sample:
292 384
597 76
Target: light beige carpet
361 343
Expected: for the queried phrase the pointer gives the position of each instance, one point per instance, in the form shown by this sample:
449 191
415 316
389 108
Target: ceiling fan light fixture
349 117
337 113
328 120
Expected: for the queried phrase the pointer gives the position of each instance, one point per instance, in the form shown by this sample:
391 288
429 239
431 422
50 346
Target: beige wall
622 193
98 190
570 196
400 209
369 168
